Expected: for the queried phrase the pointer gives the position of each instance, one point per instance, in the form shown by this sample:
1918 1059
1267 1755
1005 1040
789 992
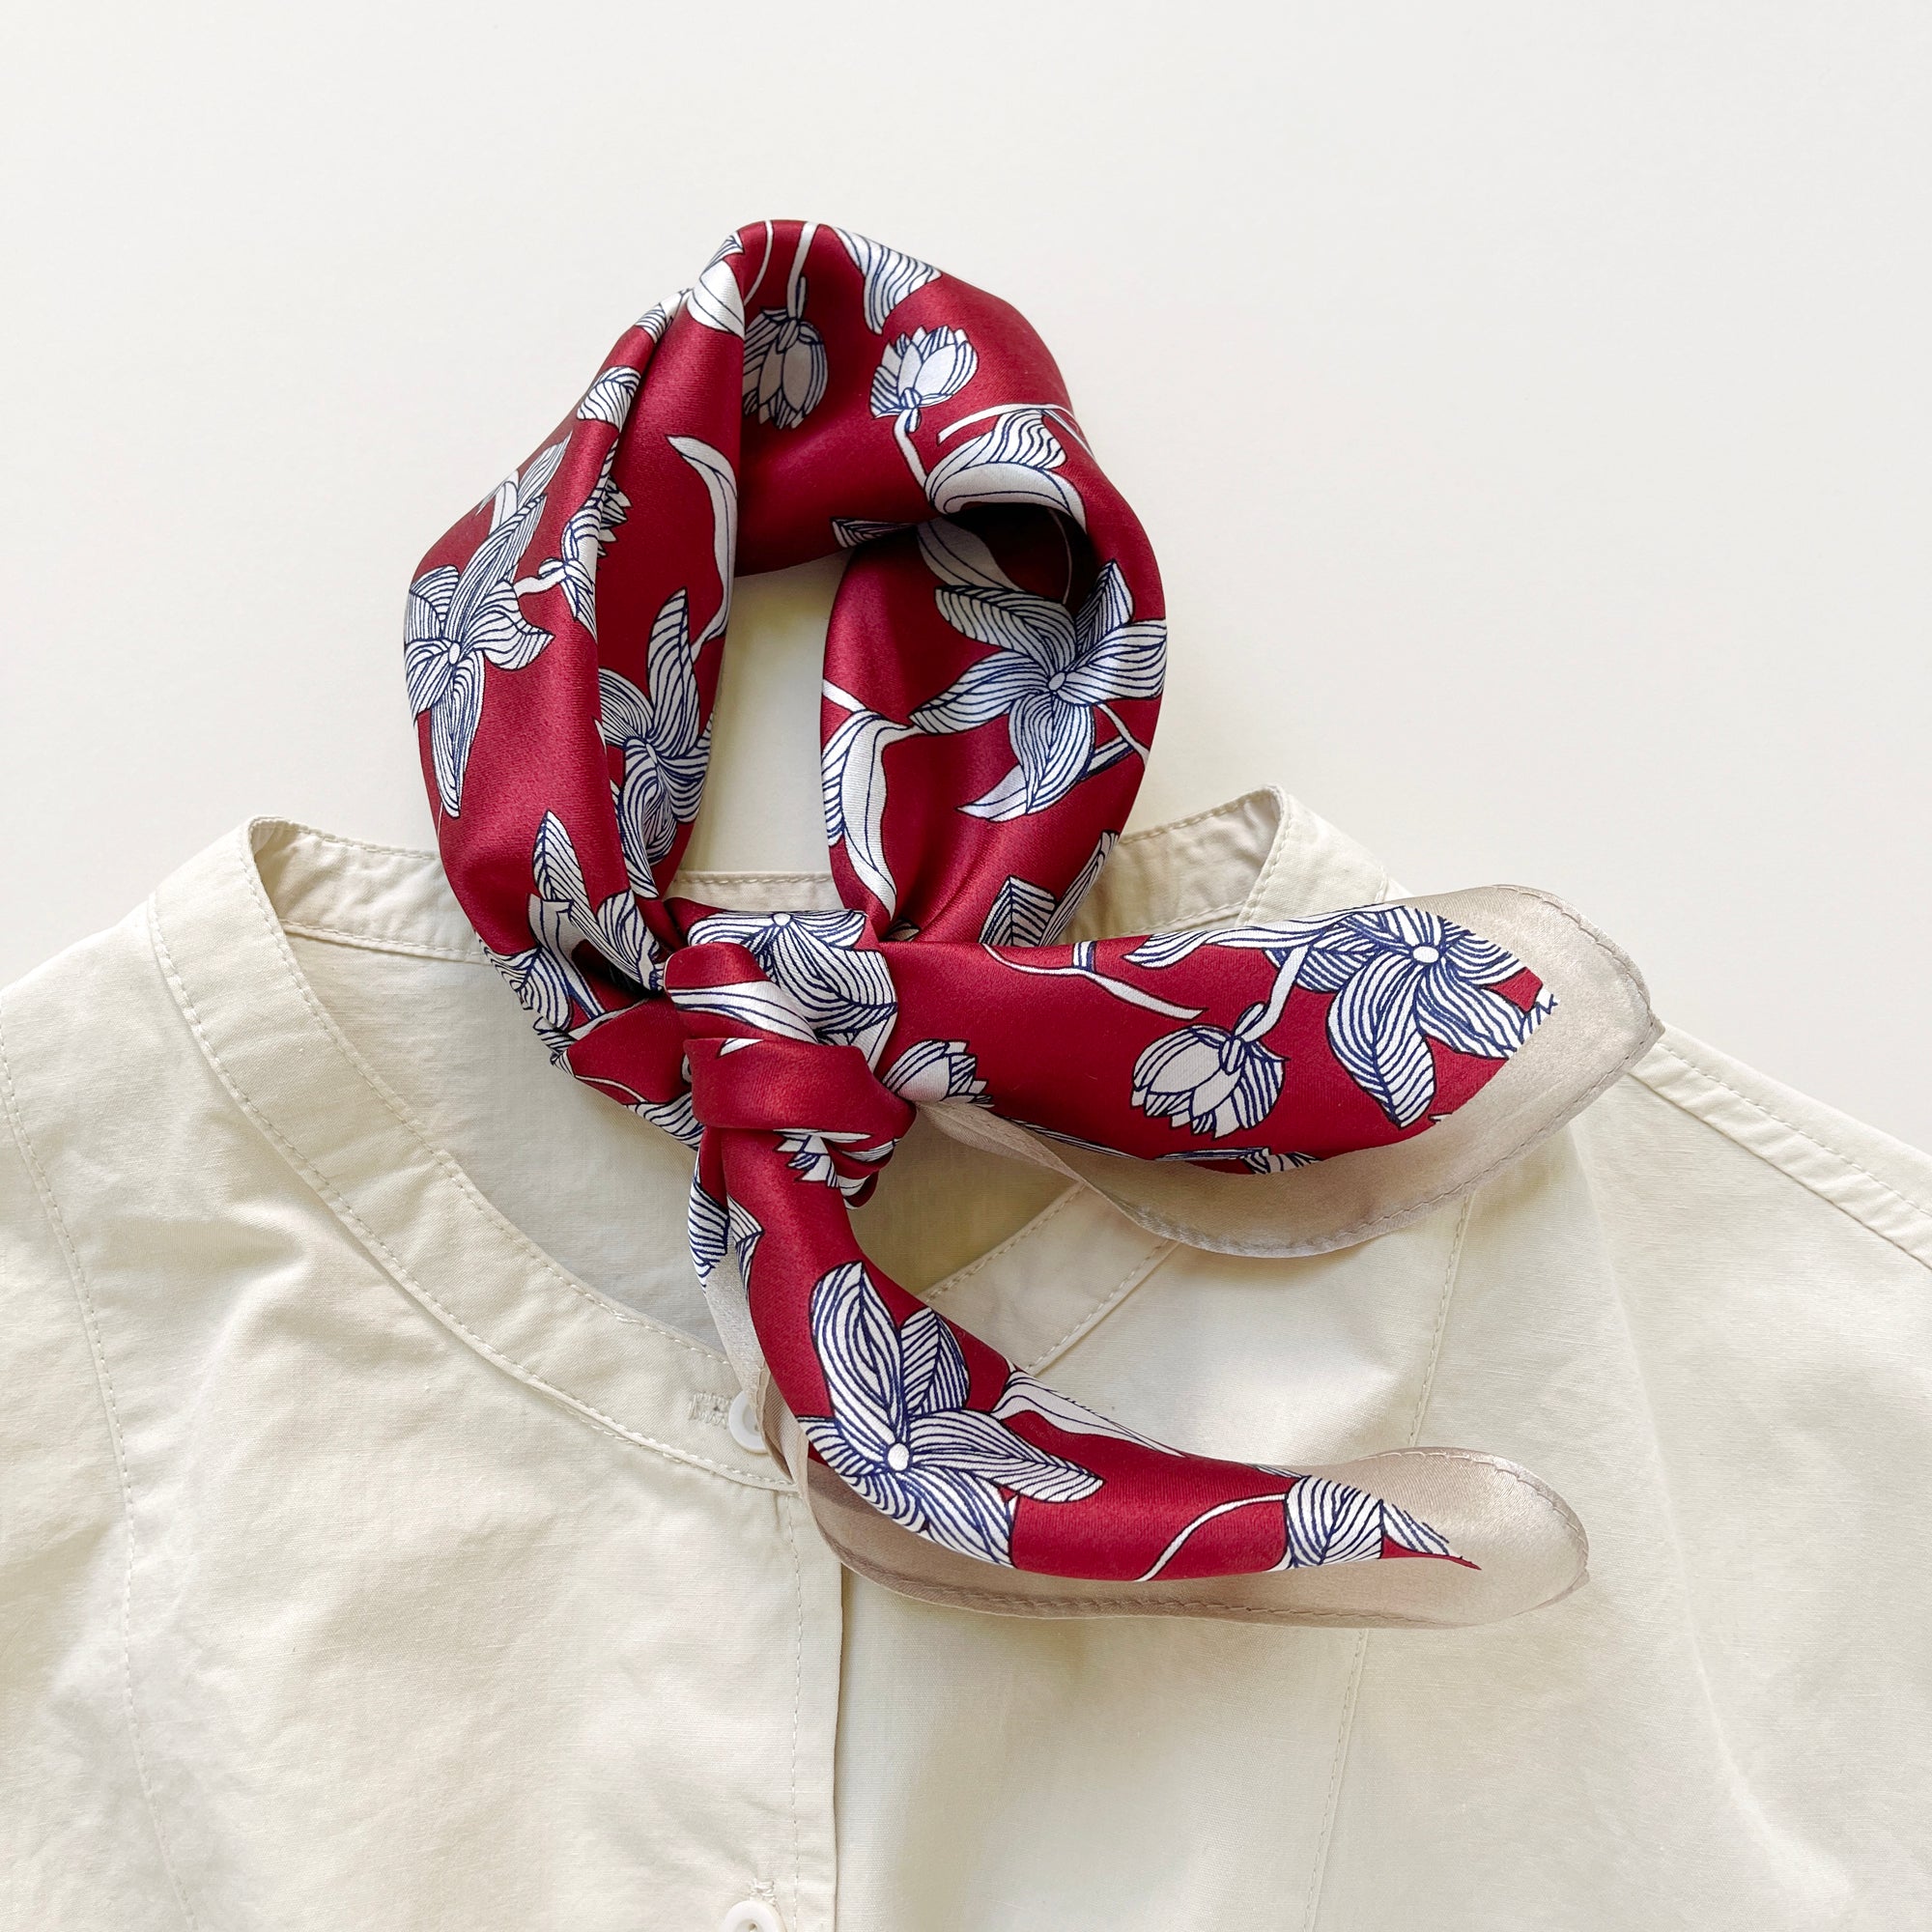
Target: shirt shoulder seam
1855 1181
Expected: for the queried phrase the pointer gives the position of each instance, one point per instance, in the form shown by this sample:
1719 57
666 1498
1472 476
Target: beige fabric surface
376 1550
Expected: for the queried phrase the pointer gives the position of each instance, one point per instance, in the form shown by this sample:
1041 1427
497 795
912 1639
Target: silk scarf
993 669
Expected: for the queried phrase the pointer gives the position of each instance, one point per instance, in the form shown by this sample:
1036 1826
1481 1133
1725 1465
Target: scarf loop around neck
993 669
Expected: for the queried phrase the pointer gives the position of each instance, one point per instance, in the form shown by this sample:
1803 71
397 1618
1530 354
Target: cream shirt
379 1547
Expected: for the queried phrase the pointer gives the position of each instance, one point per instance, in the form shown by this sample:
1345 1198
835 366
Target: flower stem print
1402 976
1083 967
928 366
723 485
1324 1522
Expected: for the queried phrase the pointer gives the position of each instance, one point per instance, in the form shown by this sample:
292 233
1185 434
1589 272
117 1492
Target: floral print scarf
993 671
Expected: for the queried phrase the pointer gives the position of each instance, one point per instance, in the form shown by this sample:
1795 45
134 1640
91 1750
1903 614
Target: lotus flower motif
784 368
930 365
1208 1079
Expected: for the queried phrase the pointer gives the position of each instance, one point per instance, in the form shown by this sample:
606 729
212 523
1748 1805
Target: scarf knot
993 670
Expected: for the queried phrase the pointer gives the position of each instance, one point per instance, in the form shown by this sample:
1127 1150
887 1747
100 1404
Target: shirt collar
222 927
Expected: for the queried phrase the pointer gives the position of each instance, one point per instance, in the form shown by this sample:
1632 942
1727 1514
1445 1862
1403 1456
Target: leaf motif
452 729
707 1225
723 485
983 691
1020 915
714 299
956 556
672 665
1083 884
972 1443
890 276
559 876
1052 743
1034 628
1332 1522
1014 462
609 399
656 319
1024 1396
1131 662
849 532
753 1003
1470 1019
854 771
747 1231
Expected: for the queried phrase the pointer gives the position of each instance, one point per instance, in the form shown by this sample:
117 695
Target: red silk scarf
992 675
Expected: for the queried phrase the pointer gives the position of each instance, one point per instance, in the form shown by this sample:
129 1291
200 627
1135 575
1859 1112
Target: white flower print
714 299
785 354
844 987
808 1155
586 535
1017 461
666 743
1402 978
460 620
931 1070
1326 1522
930 365
1255 1160
890 276
1082 963
1208 1079
853 775
1401 975
609 399
849 532
901 1436
1024 914
1050 671
1335 1523
546 976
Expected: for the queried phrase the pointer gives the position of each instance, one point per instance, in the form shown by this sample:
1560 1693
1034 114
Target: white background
1529 406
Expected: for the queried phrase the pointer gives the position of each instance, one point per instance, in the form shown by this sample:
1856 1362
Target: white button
750 1914
746 1435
